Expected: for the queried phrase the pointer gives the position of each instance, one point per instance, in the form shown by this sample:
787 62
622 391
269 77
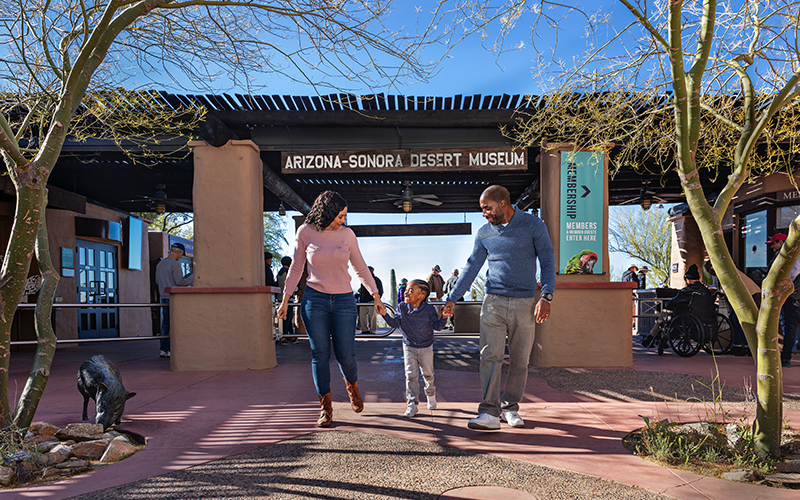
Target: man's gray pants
503 317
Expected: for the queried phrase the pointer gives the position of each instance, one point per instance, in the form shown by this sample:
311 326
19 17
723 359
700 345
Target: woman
328 307
401 291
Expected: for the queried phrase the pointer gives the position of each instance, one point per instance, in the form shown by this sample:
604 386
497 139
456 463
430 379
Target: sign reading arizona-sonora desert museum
403 160
581 232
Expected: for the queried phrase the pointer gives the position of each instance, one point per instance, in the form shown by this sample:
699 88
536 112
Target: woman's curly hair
326 207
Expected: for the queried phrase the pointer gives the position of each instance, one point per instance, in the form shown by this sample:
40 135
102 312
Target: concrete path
194 418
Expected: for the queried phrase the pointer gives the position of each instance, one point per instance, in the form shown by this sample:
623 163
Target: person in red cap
776 242
790 312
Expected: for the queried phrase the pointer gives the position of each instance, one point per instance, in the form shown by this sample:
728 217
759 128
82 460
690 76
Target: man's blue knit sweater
512 252
417 324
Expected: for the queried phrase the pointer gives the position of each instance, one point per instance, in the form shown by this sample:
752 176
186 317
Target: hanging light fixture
644 199
407 205
281 209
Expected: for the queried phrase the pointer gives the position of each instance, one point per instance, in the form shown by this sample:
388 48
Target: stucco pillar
225 320
228 201
687 249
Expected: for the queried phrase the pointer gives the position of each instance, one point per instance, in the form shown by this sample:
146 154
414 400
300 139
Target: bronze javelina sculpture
100 380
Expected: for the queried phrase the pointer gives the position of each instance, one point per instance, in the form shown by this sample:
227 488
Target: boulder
89 450
49 459
80 432
733 433
741 475
52 473
701 428
43 429
792 466
783 478
47 447
43 438
7 476
118 449
62 449
74 463
110 436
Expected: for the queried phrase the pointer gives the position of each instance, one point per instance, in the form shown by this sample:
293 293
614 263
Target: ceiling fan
407 199
159 202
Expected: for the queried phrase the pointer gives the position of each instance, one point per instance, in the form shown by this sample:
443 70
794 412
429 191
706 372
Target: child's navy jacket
417 324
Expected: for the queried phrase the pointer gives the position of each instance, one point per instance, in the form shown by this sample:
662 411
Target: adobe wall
133 285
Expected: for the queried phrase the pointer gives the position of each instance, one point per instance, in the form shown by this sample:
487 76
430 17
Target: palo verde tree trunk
46 346
29 181
777 286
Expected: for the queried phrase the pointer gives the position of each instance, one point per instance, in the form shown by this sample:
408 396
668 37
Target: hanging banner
581 232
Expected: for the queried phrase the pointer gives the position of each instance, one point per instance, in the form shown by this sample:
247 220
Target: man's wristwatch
547 297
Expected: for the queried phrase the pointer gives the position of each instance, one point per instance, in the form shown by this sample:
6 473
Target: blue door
97 284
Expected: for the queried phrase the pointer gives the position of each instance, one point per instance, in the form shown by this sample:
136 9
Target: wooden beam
283 191
412 229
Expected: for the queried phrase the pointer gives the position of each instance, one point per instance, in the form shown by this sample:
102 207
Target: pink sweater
327 254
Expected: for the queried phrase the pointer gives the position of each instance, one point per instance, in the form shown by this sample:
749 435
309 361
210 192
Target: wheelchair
685 334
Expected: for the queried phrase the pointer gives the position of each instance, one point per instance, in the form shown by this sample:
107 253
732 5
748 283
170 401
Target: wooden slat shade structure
99 170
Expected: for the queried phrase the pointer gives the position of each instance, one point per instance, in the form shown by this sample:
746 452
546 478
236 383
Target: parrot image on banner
581 263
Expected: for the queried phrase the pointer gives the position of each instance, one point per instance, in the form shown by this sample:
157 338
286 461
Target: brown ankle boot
326 413
355 397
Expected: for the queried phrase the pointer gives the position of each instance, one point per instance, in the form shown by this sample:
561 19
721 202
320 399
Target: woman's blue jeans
330 317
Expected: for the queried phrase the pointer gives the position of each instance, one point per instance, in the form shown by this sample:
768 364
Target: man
695 298
696 294
790 312
449 285
269 278
642 277
512 241
436 282
169 273
367 315
630 274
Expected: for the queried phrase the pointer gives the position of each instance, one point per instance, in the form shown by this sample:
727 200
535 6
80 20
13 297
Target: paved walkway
191 419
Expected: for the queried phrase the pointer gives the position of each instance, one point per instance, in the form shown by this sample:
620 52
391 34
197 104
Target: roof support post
286 194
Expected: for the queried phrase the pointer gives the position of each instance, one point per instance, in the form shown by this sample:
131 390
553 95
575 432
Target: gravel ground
347 465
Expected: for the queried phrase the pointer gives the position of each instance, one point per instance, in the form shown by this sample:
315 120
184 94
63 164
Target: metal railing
279 323
391 330
60 305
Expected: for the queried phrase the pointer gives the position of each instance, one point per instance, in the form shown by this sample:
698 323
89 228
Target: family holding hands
512 242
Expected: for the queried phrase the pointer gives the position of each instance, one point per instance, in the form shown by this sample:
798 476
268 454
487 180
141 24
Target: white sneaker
512 418
163 354
169 354
484 422
431 402
411 410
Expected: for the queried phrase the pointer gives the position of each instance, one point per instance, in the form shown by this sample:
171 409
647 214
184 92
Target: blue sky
469 69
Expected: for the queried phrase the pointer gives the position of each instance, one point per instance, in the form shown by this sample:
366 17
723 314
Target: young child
417 319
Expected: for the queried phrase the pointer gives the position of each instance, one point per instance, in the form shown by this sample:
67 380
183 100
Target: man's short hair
497 193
